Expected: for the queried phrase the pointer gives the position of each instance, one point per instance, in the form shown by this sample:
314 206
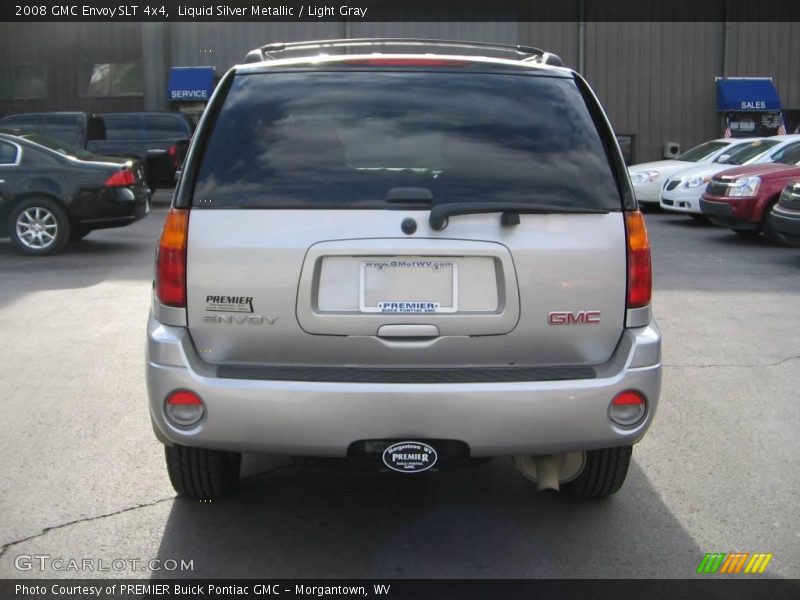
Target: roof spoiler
399 45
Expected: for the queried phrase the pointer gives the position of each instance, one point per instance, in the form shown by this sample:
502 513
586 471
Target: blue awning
190 84
747 95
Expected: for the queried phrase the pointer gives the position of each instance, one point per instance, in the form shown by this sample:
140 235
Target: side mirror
723 158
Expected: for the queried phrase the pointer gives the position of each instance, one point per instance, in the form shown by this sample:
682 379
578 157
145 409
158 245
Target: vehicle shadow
478 521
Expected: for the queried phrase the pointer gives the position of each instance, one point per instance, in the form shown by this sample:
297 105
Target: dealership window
23 82
111 79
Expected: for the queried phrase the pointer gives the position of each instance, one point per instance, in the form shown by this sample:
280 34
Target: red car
741 198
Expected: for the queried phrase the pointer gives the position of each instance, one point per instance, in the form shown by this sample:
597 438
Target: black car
158 140
785 215
51 192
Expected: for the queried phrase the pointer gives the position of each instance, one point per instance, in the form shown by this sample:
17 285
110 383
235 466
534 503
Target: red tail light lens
121 179
171 259
172 152
184 408
640 276
627 408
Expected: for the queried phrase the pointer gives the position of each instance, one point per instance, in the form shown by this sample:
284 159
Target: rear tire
39 226
202 474
603 474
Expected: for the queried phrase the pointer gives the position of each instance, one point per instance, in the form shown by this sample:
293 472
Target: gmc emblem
581 317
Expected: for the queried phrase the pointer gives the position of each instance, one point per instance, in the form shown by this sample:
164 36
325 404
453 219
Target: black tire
603 474
202 474
78 234
55 224
766 225
747 233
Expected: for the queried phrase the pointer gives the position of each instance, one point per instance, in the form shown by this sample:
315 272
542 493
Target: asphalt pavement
84 478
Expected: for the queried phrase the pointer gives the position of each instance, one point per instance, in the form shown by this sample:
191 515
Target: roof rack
396 45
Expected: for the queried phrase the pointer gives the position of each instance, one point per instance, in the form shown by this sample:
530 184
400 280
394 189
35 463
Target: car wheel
202 474
39 226
603 473
78 234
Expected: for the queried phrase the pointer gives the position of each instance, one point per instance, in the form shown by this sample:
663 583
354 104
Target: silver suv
405 252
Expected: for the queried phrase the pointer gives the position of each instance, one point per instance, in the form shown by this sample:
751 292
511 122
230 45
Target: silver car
410 253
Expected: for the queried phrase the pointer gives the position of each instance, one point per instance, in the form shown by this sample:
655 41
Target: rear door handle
410 331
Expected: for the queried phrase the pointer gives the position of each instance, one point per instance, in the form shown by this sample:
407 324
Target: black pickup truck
157 139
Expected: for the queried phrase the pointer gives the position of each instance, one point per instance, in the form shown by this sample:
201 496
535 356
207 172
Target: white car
649 178
683 190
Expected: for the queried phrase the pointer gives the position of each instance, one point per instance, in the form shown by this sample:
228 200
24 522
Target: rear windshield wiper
511 211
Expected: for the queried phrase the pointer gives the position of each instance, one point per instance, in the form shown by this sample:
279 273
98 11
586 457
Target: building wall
767 50
656 80
61 48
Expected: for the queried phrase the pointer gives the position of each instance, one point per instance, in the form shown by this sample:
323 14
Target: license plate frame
448 264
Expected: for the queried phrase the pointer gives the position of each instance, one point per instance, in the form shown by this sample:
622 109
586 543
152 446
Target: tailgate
263 289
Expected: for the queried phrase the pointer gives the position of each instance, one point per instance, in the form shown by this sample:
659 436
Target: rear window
8 153
343 140
64 127
165 127
122 126
20 123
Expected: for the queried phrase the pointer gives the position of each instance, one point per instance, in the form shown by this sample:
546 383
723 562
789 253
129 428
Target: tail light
171 259
627 408
172 152
640 276
122 178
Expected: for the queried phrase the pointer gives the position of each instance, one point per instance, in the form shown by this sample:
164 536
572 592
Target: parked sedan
785 215
648 178
50 193
682 192
742 198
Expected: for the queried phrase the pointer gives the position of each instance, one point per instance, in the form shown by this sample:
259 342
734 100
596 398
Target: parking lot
84 476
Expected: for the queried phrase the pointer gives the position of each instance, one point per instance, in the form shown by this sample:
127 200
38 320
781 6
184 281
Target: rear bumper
115 207
786 224
311 418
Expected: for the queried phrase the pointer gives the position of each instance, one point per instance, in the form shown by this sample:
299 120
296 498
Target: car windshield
790 155
701 152
345 139
743 154
60 146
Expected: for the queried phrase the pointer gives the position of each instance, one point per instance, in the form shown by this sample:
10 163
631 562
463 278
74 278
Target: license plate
408 286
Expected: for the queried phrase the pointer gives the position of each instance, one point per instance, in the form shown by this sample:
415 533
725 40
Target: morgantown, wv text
258 10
